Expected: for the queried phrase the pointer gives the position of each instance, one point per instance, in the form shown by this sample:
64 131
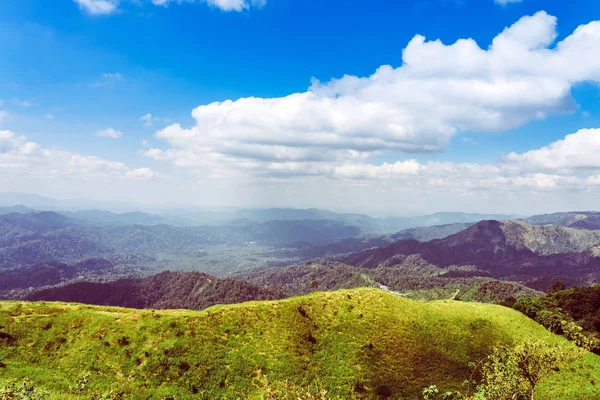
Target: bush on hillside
512 373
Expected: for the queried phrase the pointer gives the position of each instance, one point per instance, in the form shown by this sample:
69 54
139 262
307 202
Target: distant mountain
510 250
440 218
166 290
362 242
283 214
15 227
427 233
97 217
98 213
17 282
579 220
20 209
34 238
28 200
366 223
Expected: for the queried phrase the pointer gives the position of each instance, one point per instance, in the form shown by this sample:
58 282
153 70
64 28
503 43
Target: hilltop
363 343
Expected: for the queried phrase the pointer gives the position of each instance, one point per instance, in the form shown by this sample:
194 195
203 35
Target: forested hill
509 250
166 290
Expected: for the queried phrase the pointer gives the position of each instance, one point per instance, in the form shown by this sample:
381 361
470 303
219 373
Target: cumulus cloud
141 173
98 7
109 133
30 167
336 128
22 158
580 150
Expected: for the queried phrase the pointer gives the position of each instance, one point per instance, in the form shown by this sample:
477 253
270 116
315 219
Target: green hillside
361 343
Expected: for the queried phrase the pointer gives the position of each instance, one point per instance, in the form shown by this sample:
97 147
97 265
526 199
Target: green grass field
361 343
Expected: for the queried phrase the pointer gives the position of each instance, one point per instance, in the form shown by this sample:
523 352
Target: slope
363 343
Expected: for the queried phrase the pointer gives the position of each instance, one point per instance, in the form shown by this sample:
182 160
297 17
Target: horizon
81 204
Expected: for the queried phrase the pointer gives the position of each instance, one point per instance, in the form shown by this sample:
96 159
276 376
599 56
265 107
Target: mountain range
46 250
510 250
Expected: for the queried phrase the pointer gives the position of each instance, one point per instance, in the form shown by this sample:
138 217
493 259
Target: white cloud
31 167
505 2
20 158
230 5
108 79
149 119
49 116
106 7
593 180
110 133
438 91
98 7
26 103
141 173
580 150
224 5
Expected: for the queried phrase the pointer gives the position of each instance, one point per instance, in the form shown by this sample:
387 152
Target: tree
556 287
515 373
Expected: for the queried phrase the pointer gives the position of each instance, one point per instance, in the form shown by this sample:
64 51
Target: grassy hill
361 343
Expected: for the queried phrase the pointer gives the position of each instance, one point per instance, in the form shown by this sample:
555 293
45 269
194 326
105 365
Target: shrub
25 390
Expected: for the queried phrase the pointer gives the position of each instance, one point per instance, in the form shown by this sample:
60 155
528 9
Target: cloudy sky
364 105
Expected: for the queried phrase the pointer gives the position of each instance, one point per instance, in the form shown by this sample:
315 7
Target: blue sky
73 70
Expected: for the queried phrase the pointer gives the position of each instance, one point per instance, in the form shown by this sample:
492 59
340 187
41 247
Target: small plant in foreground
25 390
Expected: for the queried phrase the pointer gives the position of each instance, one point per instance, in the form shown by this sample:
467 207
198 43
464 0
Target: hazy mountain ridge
33 238
111 214
574 219
362 242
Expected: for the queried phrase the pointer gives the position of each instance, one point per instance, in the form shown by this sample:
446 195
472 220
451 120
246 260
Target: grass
362 342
